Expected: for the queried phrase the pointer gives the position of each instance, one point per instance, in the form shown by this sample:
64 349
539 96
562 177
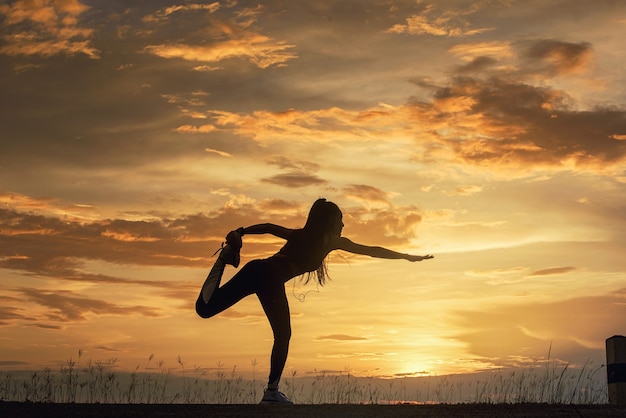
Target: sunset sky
491 134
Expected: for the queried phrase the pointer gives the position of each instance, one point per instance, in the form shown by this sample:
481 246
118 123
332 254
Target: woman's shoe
275 397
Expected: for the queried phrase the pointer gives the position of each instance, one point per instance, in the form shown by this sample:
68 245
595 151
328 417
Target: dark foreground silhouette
19 409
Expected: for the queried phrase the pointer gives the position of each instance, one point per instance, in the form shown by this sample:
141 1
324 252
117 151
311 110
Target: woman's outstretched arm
345 244
267 228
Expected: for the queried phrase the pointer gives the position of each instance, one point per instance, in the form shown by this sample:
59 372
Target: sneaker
230 251
273 397
230 255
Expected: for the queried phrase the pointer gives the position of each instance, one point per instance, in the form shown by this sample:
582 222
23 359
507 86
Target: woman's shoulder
338 243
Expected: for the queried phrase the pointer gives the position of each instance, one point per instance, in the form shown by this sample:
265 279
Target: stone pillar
616 369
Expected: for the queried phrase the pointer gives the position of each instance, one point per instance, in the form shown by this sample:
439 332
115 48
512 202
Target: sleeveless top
302 254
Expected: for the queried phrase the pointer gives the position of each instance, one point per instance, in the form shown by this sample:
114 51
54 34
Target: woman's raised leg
237 288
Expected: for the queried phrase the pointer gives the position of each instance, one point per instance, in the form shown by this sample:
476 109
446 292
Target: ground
18 409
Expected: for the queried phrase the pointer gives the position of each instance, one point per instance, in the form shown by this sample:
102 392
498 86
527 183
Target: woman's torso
304 252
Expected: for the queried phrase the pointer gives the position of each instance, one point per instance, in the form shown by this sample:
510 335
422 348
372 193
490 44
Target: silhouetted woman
304 252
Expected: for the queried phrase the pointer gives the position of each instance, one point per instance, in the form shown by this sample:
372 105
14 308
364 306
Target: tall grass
153 382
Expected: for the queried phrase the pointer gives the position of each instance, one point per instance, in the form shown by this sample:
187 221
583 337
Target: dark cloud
340 337
41 243
64 305
298 173
106 349
284 162
5 363
477 65
560 57
278 205
294 180
8 314
366 193
553 270
500 115
504 122
47 326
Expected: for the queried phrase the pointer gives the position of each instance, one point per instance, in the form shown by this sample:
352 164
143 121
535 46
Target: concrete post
616 369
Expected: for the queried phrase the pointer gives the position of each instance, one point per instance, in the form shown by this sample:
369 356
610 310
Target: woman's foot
273 396
230 251
229 254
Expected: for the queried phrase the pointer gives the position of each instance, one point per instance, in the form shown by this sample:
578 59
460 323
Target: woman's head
324 217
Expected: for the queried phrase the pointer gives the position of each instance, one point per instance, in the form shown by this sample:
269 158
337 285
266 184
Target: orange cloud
508 122
465 190
20 201
331 125
445 23
203 129
493 49
46 28
259 50
229 34
218 152
165 13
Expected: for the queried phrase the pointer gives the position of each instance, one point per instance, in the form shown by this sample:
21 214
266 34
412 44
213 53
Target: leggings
267 279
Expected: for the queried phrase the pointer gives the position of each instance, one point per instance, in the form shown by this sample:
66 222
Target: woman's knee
202 309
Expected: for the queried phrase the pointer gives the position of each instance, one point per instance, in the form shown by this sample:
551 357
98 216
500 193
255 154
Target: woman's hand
413 258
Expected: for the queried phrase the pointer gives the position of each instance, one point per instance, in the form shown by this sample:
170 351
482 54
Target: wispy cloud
365 193
162 14
8 314
66 305
552 270
226 37
436 22
294 180
259 50
341 337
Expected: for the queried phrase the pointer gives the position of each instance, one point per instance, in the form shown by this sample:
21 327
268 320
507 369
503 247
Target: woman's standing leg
274 301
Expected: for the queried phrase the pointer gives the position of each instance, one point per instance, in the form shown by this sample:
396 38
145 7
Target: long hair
308 244
317 227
